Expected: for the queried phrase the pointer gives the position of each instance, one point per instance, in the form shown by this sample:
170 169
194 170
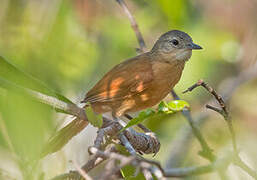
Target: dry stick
146 170
223 111
92 163
141 142
147 174
95 160
173 172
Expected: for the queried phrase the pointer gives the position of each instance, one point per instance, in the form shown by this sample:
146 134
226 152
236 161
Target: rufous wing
126 79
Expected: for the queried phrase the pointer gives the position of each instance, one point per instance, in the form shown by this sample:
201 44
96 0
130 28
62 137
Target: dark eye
174 42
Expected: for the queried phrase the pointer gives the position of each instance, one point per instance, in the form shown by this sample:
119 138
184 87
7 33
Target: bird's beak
194 46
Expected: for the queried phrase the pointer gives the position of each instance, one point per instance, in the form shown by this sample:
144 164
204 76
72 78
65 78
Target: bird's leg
123 139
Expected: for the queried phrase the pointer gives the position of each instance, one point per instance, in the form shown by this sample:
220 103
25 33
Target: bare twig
146 171
92 163
223 111
213 92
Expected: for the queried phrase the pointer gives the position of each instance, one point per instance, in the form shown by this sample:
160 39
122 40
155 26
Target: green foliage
26 120
95 119
140 118
177 105
128 173
9 72
163 108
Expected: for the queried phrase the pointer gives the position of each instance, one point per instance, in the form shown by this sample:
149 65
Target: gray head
176 45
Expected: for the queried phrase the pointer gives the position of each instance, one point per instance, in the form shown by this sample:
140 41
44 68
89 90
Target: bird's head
176 45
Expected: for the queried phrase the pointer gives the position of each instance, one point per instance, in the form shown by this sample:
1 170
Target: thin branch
127 144
223 111
213 92
92 163
146 172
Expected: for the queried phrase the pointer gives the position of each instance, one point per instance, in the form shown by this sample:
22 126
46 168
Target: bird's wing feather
126 79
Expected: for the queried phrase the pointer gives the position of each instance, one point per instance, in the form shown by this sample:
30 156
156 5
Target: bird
139 82
143 81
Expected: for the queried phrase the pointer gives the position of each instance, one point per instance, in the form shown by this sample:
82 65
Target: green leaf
16 76
128 173
140 118
95 119
163 107
178 105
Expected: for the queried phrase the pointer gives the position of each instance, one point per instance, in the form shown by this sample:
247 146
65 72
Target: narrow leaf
178 105
12 74
163 107
140 118
95 119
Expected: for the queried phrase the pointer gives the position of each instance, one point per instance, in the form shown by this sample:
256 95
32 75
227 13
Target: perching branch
173 172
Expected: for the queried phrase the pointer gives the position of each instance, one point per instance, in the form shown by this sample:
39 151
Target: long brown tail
63 136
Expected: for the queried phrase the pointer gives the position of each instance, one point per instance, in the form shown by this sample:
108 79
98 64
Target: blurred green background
70 44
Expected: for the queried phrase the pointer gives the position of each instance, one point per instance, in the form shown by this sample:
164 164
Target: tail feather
63 136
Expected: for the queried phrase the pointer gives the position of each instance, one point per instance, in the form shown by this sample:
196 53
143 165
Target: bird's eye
174 42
